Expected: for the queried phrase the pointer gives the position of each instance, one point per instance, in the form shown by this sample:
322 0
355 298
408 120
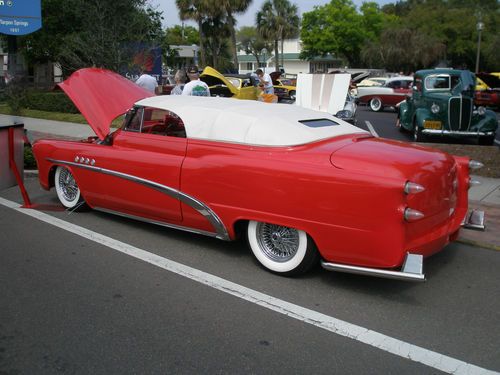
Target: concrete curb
31 172
479 244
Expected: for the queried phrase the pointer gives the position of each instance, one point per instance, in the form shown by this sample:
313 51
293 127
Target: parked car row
434 102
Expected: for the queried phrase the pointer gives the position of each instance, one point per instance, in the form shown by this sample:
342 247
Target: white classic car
392 92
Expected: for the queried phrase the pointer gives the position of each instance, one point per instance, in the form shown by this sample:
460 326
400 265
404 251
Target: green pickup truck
442 104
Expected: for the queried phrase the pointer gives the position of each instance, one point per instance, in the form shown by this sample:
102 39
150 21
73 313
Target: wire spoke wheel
67 189
281 249
68 185
278 243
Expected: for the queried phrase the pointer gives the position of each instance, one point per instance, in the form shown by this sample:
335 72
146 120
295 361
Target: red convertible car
301 185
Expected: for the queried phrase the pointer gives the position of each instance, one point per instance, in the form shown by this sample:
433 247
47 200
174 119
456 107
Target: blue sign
143 58
20 17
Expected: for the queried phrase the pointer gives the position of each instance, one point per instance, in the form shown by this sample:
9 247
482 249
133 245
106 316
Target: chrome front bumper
412 269
457 132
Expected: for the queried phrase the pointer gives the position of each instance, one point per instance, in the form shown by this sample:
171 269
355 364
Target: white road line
371 129
326 322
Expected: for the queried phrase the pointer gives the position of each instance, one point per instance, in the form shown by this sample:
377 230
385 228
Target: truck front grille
460 113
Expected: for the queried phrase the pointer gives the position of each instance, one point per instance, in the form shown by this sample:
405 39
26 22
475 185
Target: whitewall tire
67 189
376 104
280 249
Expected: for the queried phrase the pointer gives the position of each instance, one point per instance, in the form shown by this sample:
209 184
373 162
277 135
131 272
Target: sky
171 15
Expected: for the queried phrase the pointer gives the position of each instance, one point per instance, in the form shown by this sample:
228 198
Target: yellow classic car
284 91
283 88
234 86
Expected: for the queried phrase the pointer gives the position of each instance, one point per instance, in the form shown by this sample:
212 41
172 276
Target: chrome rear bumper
412 269
474 220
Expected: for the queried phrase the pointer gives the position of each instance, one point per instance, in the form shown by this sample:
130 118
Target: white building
292 64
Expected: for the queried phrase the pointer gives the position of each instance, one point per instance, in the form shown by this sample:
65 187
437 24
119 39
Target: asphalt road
76 302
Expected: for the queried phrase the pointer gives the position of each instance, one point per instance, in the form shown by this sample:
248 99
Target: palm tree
232 7
277 20
196 10
291 26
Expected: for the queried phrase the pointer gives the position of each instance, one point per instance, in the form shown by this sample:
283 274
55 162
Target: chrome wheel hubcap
278 243
68 185
375 104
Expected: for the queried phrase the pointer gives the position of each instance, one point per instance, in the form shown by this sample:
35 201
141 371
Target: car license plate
432 124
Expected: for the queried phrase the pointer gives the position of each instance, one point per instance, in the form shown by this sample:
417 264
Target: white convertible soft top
247 121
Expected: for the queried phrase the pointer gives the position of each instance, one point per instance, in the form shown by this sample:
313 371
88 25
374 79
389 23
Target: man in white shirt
147 82
195 87
265 81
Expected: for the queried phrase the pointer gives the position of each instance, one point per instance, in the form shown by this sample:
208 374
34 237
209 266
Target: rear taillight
411 215
413 188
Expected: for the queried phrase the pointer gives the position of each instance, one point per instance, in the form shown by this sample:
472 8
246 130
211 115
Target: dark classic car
300 185
442 103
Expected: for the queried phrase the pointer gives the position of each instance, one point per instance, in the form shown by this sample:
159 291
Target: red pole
13 166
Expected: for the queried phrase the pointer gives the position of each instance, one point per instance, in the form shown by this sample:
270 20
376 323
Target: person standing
180 80
195 86
265 82
147 82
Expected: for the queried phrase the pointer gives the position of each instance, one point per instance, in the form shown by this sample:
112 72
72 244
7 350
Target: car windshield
437 82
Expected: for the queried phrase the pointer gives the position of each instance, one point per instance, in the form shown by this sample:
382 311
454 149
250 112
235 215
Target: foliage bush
29 159
15 95
54 101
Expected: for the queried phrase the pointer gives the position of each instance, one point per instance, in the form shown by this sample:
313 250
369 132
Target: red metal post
13 166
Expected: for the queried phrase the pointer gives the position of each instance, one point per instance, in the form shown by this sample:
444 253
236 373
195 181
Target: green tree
232 7
335 28
216 31
198 11
181 35
276 21
453 23
82 33
252 42
403 49
373 20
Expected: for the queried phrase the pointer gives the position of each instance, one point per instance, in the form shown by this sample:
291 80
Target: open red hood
101 96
